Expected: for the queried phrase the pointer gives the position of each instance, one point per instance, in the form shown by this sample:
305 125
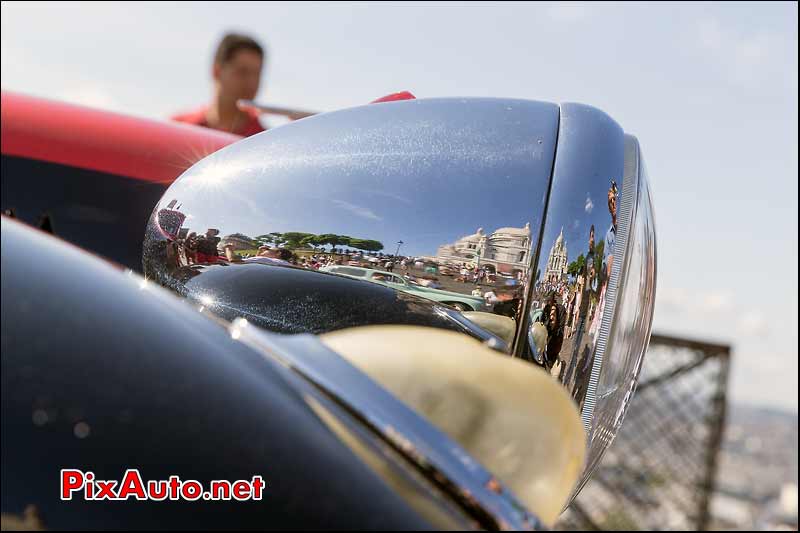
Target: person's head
237 67
591 237
612 201
276 253
266 251
553 314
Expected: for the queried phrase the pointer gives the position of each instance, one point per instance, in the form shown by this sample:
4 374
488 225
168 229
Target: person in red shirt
237 74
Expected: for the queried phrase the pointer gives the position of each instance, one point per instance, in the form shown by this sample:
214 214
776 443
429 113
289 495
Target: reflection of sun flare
214 173
206 300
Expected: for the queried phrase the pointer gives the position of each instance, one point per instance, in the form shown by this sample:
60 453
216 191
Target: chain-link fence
659 472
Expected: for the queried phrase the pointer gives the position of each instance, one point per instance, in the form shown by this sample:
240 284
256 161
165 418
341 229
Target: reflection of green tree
297 239
374 246
598 256
294 238
577 266
313 241
343 240
270 238
340 241
366 245
331 239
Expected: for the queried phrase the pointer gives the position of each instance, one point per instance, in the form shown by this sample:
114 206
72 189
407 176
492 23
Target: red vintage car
92 177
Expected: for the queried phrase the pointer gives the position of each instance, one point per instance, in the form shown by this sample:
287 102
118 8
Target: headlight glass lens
630 328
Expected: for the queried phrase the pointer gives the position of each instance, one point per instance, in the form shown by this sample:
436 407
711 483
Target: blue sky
710 90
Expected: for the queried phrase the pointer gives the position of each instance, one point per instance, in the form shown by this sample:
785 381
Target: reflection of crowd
575 310
193 249
505 295
553 318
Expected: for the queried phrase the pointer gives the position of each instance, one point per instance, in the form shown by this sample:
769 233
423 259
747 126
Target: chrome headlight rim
636 202
631 188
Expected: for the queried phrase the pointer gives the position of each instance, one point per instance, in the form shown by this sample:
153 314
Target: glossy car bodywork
92 177
160 387
287 299
397 281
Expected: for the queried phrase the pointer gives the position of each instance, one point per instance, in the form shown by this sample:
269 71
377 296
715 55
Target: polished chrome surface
451 192
616 376
597 250
587 264
441 459
574 265
622 214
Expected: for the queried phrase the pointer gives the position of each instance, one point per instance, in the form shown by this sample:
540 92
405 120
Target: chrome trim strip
628 200
489 339
442 460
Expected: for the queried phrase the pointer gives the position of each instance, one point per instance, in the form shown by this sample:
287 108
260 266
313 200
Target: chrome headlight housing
610 331
564 247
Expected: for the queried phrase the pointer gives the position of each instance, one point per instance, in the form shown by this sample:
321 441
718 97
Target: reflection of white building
557 261
238 241
505 250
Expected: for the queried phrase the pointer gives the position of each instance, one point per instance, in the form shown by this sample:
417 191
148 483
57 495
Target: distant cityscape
653 480
757 469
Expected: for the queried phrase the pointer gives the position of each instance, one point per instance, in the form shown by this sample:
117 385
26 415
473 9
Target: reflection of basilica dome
526 231
557 260
506 249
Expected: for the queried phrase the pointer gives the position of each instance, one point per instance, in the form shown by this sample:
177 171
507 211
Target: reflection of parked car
462 302
429 283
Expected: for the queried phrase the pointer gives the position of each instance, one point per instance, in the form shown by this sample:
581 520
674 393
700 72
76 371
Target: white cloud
717 300
751 59
696 303
754 323
589 204
672 297
358 210
392 196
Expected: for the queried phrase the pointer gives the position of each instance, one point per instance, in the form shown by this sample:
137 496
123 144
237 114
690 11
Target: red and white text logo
79 484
